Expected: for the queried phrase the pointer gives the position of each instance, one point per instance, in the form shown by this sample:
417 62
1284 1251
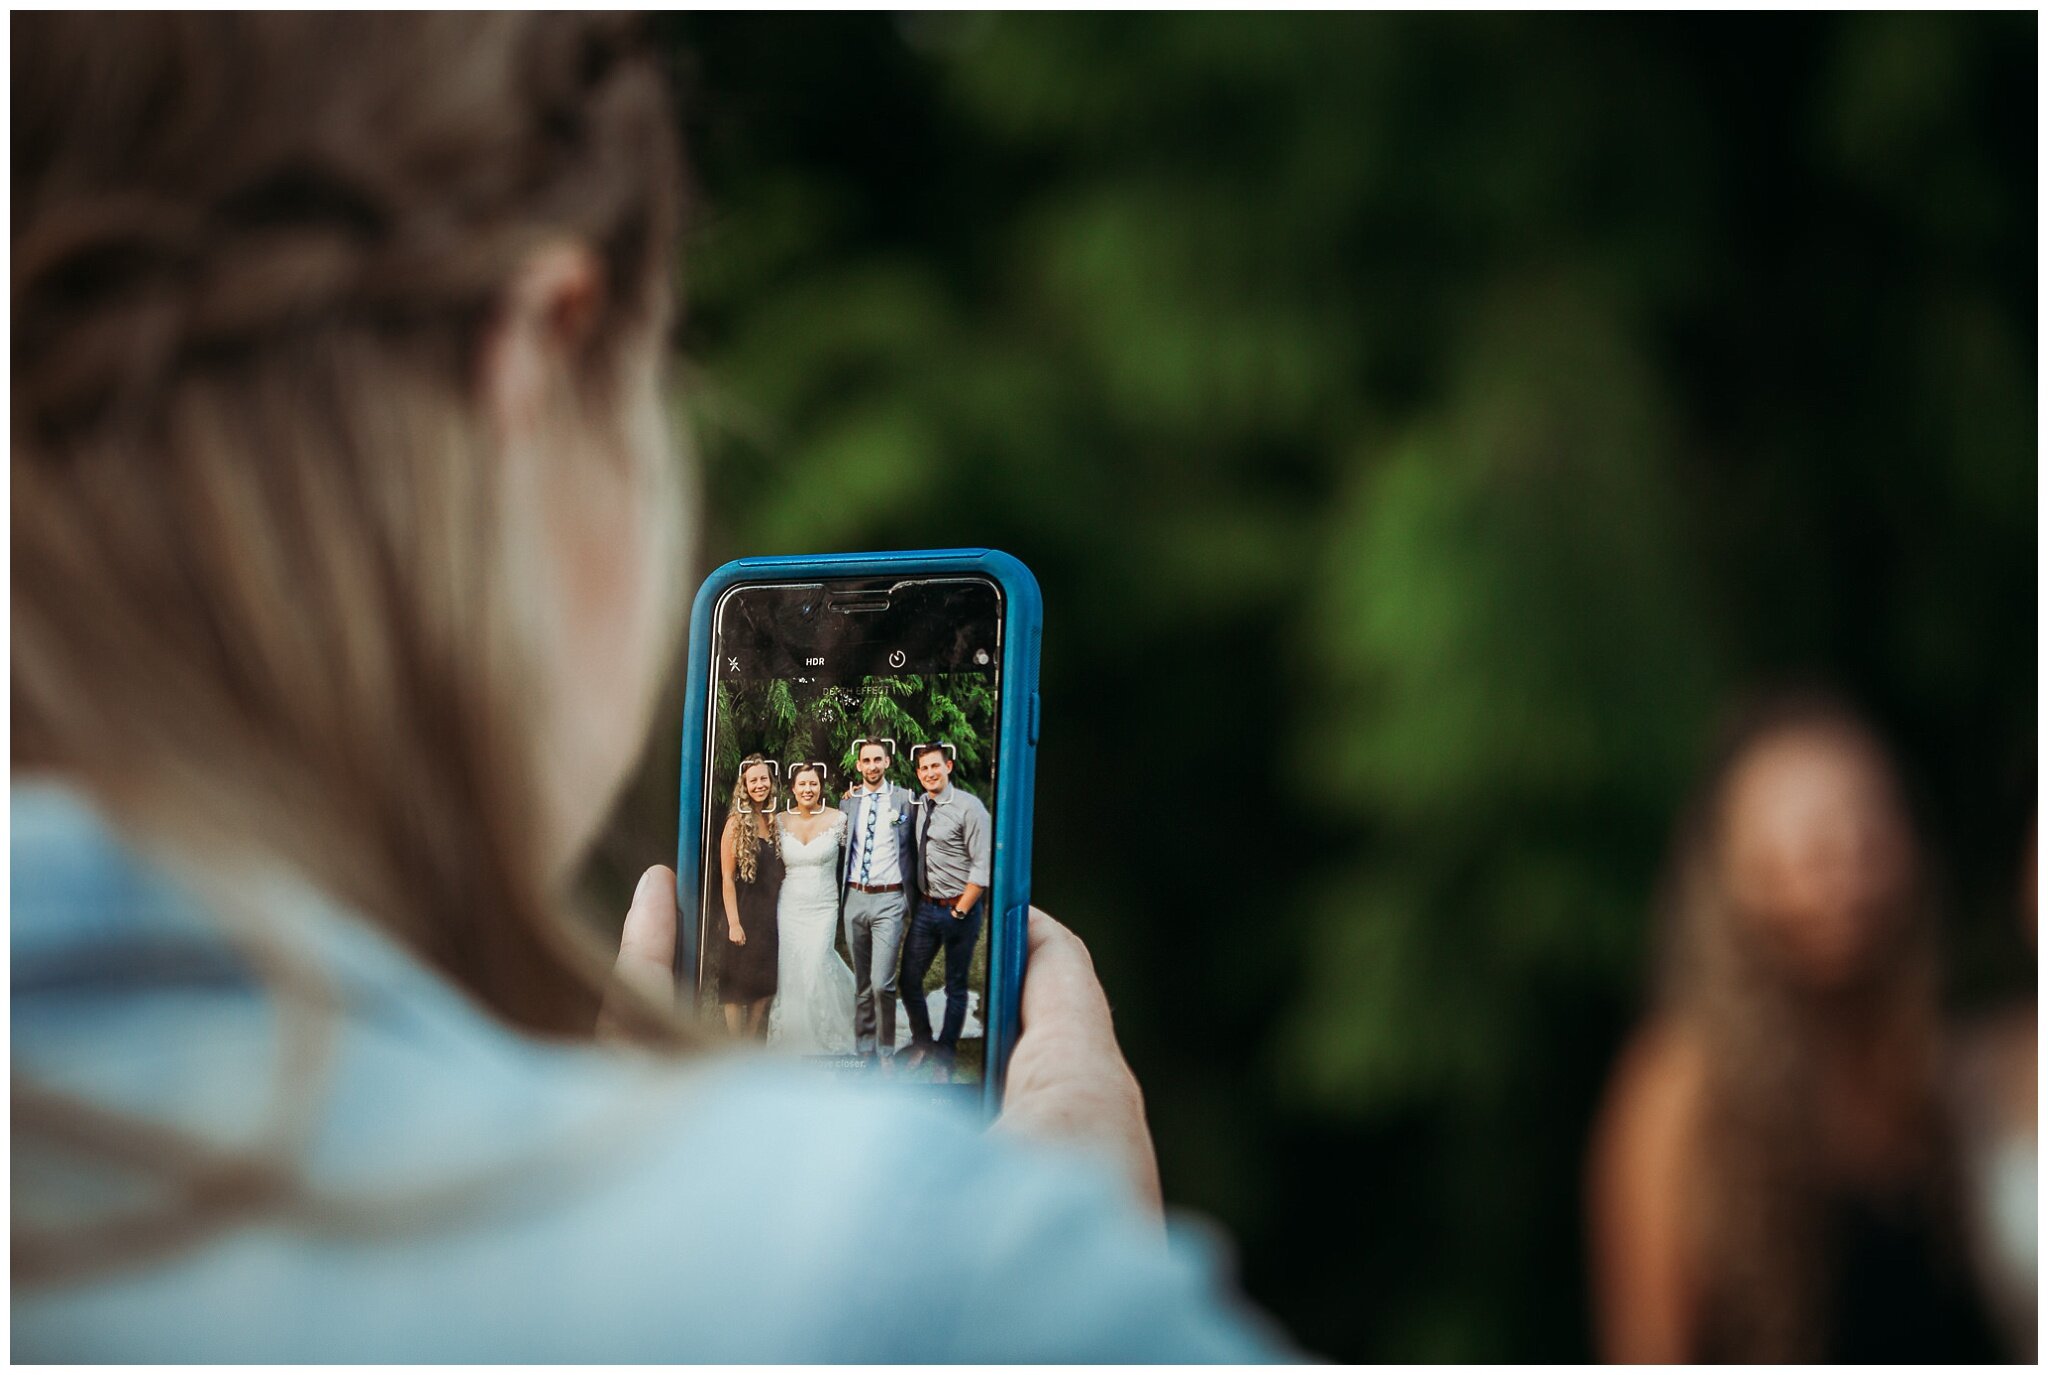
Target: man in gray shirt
954 843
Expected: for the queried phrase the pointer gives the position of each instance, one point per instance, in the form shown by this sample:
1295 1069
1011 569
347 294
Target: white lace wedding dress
813 1009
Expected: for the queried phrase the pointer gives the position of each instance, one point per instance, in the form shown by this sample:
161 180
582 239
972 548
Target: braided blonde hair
266 596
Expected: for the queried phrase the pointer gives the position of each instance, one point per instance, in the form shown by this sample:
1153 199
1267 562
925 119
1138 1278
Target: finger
647 947
1060 985
647 943
1068 1080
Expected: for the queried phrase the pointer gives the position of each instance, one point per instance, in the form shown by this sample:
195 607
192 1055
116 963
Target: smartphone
854 858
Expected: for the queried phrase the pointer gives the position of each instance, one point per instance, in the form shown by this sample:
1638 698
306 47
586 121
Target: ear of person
544 315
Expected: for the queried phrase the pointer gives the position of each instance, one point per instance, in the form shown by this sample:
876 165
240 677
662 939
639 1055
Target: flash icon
732 665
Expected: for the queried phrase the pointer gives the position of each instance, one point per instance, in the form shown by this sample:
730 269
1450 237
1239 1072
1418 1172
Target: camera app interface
849 835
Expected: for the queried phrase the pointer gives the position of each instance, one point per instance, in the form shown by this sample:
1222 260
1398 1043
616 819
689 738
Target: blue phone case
1017 748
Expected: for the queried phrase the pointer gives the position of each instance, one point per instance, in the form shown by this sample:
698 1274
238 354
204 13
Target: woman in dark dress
752 872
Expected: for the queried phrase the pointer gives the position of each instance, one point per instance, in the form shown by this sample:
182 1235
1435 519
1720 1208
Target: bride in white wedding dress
813 1009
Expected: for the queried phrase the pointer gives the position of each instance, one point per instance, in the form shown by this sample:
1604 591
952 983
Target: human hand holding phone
1068 1084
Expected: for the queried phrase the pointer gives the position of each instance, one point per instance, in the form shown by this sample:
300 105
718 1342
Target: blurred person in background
1770 1179
345 537
1997 1103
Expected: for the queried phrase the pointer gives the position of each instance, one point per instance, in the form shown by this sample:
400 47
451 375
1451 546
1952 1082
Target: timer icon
895 658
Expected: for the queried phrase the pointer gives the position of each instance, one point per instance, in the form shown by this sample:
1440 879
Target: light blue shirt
875 818
503 1199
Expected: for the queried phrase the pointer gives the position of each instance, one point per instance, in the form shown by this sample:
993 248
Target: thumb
647 947
647 943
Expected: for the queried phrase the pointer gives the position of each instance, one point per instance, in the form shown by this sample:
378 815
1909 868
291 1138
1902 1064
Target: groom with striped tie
881 873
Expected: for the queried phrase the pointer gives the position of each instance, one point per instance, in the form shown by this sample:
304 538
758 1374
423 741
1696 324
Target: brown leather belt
943 902
877 888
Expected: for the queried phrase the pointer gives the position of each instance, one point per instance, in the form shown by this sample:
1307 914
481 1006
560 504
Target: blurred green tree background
1420 426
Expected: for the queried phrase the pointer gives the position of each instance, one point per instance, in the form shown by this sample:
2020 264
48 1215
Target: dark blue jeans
934 927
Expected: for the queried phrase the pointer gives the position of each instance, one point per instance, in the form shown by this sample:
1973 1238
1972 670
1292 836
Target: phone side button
1013 977
1031 730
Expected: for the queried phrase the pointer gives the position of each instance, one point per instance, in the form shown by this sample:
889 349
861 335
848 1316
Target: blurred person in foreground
1770 1179
345 557
1996 1098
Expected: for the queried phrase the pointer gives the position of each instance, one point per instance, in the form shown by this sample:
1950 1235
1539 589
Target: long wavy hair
1761 1188
746 834
270 605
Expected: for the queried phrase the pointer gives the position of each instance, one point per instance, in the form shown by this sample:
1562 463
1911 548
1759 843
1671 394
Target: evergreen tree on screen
789 720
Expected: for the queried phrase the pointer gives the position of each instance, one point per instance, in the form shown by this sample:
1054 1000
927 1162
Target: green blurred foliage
1420 426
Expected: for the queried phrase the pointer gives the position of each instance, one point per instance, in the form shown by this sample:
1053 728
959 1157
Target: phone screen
849 833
